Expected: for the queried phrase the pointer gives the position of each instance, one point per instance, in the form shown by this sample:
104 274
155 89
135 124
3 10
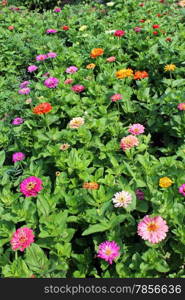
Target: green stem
16 255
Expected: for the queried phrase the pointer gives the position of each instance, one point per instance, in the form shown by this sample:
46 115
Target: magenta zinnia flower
119 33
32 68
24 84
137 29
24 91
182 189
152 229
22 238
51 31
41 57
108 251
136 129
71 69
51 82
57 9
17 156
116 97
17 121
31 186
51 55
78 88
181 106
129 142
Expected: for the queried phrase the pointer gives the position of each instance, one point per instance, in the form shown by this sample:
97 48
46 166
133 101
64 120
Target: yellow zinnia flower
170 67
90 66
165 182
124 73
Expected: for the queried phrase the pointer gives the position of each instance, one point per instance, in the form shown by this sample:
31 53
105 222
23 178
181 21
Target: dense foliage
77 166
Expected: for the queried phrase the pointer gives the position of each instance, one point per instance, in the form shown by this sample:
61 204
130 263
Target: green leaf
96 228
2 157
36 259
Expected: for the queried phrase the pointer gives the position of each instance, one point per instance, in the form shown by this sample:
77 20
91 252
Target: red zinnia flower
155 32
11 27
155 26
142 21
168 39
119 33
42 108
140 75
65 27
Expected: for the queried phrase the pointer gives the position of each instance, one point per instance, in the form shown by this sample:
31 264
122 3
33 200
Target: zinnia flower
124 73
136 129
108 251
139 194
65 27
31 186
91 185
51 55
129 142
41 57
17 156
78 88
90 66
64 147
111 59
11 27
122 199
137 29
22 239
152 229
116 97
170 67
140 75
155 32
76 122
71 69
24 84
68 81
57 9
119 33
17 121
51 82
165 182
182 189
51 31
155 26
42 108
96 52
24 91
32 68
181 106
182 3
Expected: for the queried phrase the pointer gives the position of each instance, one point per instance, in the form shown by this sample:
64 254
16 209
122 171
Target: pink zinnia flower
68 81
57 9
31 186
116 97
119 33
71 69
137 29
41 57
24 91
51 55
136 129
181 106
152 229
111 59
108 251
51 82
78 88
182 189
51 31
129 142
24 84
22 238
32 68
17 156
17 121
122 199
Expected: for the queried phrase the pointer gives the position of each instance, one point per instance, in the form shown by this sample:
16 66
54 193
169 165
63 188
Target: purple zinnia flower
182 189
108 251
71 69
51 55
139 194
24 84
32 68
78 88
17 121
51 31
51 82
17 156
24 91
41 57
57 9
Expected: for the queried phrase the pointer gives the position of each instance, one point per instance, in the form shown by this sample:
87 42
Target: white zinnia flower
122 199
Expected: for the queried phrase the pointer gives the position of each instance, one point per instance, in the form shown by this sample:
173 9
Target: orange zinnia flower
96 52
90 66
124 73
91 185
140 75
42 108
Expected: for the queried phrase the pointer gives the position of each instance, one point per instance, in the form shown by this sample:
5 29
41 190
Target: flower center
152 227
22 239
108 251
30 185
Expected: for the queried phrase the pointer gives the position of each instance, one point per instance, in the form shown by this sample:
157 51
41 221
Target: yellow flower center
152 227
108 251
30 185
